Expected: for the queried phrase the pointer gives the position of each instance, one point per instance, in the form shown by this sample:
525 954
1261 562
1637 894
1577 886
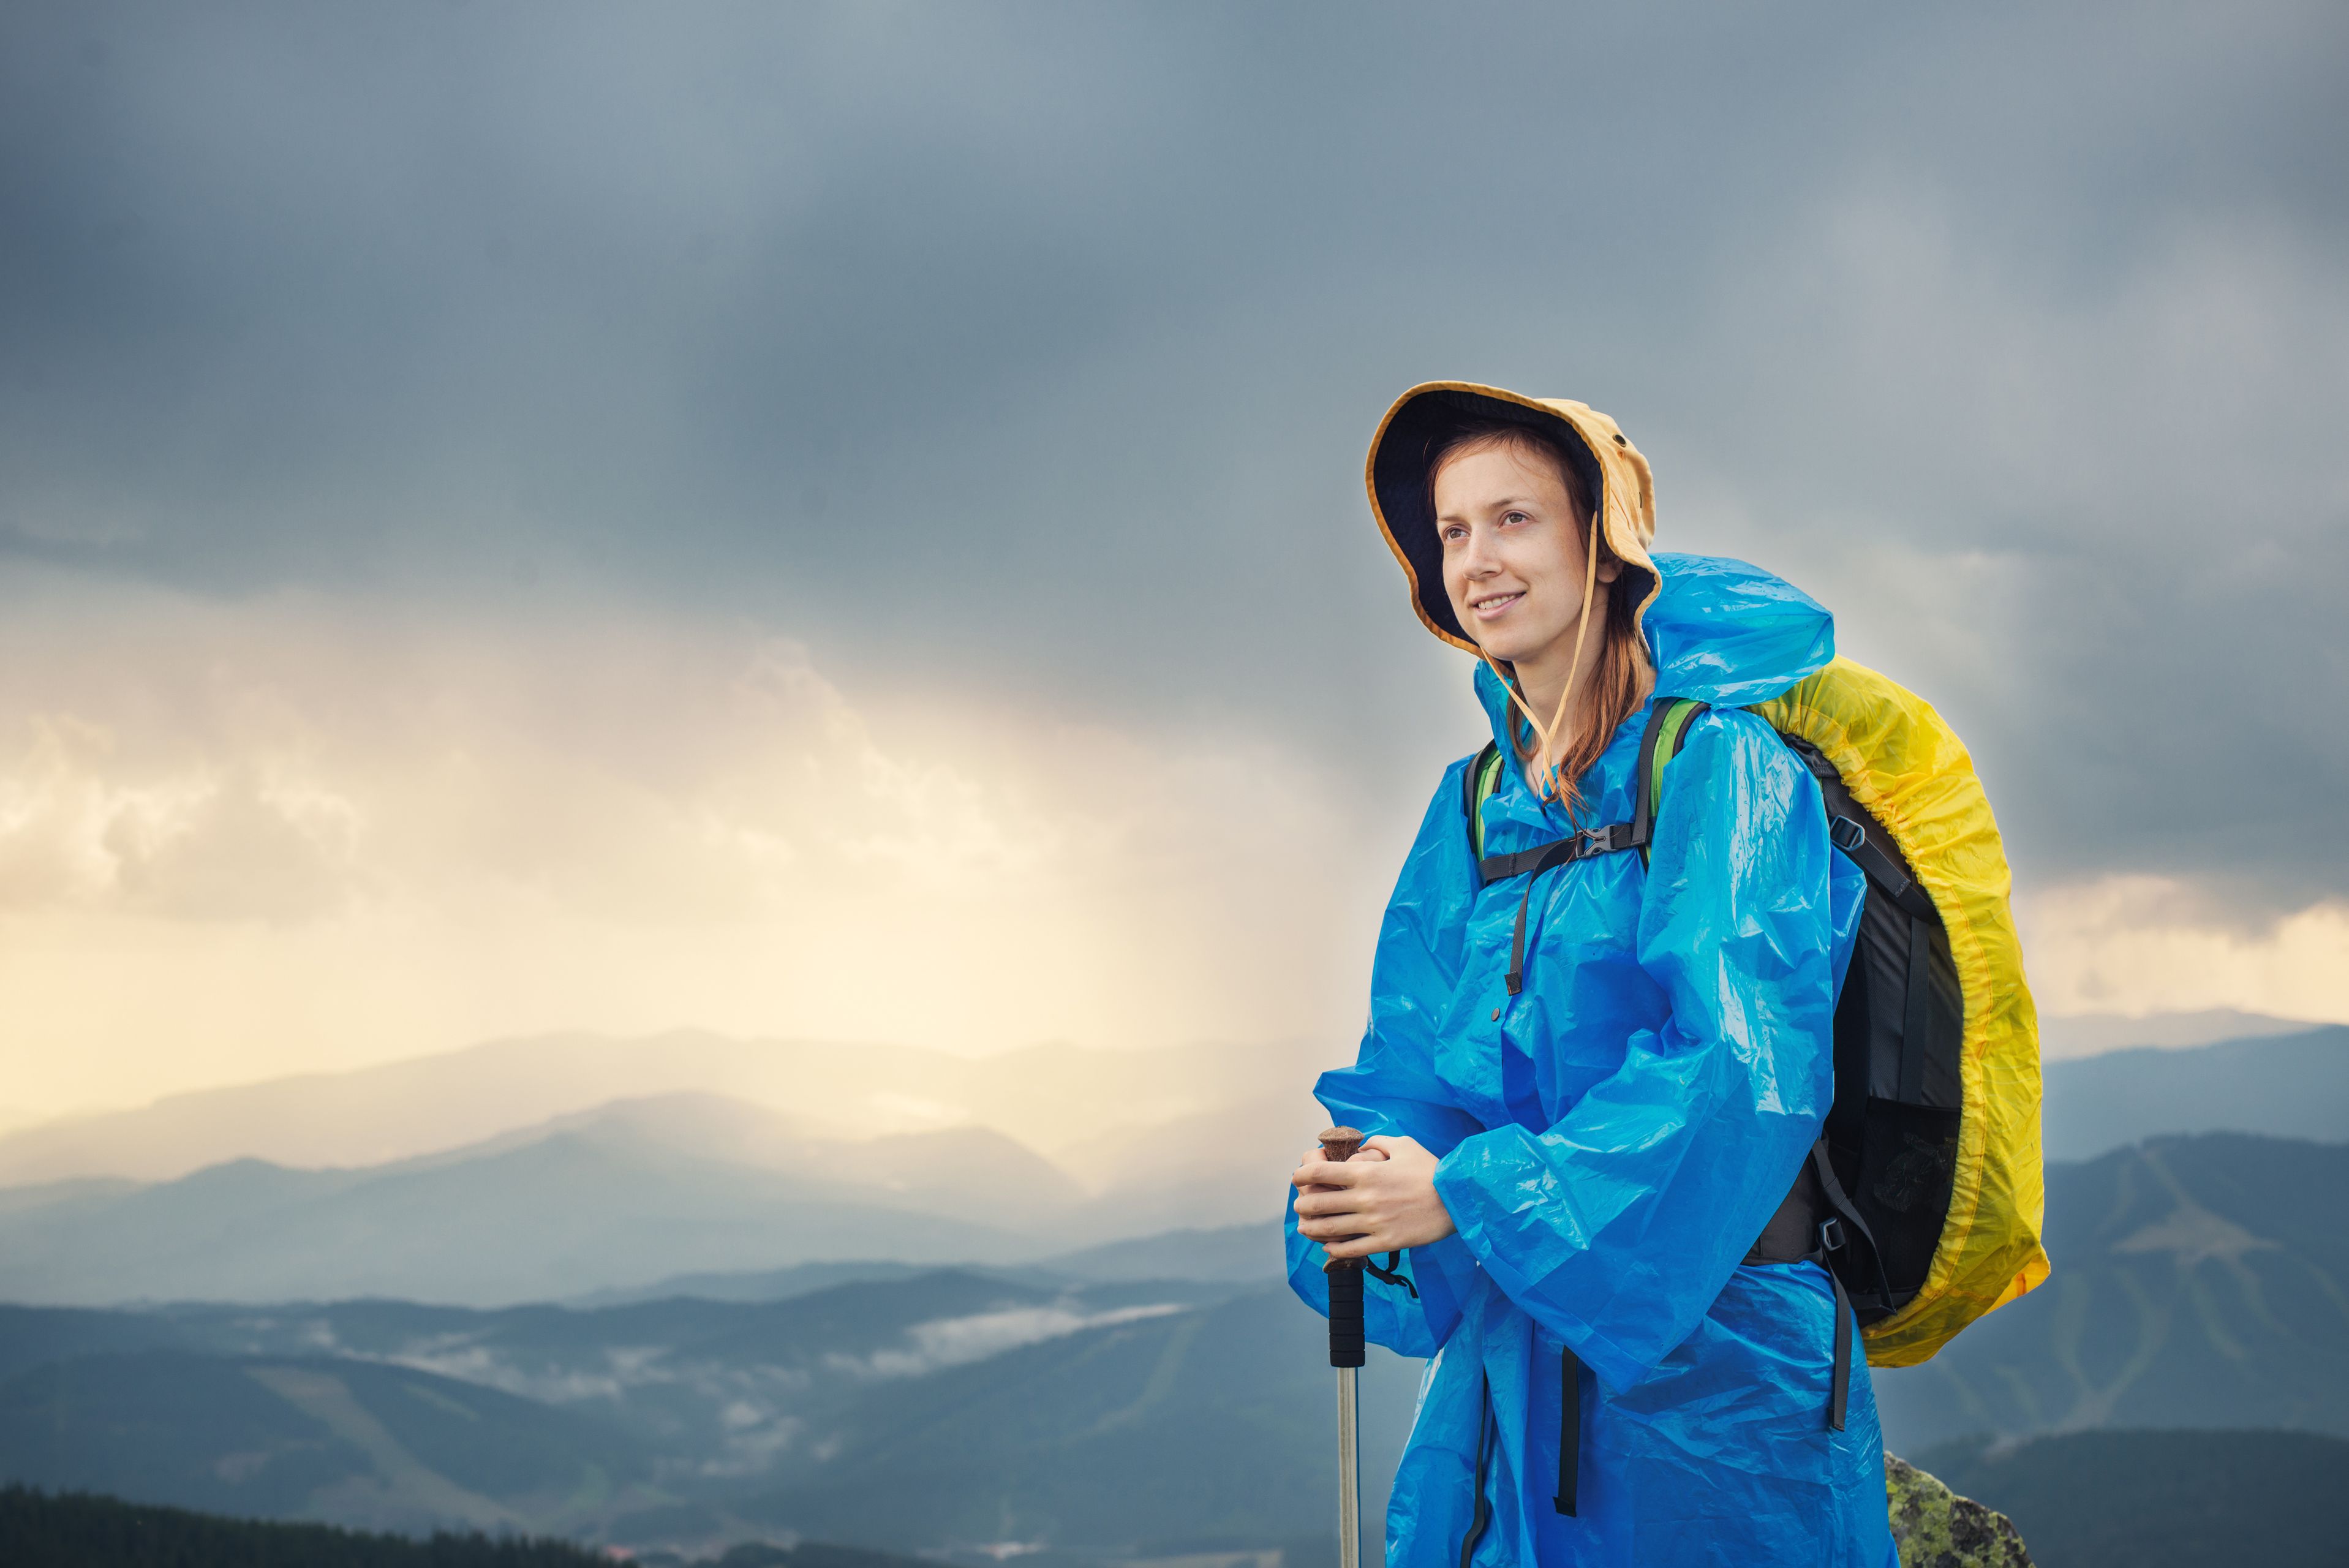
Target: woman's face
1513 561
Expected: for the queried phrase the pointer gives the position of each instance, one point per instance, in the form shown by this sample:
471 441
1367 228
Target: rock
1935 1528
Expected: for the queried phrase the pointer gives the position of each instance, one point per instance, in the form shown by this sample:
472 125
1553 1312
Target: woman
1591 1088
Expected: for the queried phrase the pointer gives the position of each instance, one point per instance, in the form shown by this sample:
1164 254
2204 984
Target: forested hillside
78 1531
361 1443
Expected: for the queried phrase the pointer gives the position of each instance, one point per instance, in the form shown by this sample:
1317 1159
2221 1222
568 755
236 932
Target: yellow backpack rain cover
1913 776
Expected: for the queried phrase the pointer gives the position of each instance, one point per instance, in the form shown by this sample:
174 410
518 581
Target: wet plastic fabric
1913 775
1613 1139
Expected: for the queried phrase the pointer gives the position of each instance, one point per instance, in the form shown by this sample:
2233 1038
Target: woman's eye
1515 517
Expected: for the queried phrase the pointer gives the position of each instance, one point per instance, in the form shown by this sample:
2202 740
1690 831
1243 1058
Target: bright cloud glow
2138 946
239 841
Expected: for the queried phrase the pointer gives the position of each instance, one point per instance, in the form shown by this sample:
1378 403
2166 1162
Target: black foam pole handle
1347 1345
1346 1342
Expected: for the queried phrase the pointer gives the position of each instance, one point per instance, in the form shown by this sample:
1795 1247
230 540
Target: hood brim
1428 416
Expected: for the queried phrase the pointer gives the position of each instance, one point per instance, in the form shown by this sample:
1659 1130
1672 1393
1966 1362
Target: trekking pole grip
1347 1345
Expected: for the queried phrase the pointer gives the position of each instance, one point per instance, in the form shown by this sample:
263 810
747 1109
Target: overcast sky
474 479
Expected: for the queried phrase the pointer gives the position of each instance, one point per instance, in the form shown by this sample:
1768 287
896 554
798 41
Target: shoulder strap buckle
1604 840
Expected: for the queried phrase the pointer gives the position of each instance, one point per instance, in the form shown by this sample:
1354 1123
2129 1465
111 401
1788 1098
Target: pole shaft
1350 1476
1348 1351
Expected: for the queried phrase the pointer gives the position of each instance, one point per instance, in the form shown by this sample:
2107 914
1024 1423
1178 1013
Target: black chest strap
1658 744
1530 864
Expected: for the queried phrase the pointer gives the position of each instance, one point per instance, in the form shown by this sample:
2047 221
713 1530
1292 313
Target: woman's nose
1476 557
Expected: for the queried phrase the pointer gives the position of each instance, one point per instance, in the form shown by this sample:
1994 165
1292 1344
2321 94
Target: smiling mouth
1494 603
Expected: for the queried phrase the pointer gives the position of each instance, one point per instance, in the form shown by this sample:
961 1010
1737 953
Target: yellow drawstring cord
1546 778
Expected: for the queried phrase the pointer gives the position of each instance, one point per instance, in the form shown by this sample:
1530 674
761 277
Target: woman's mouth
1492 605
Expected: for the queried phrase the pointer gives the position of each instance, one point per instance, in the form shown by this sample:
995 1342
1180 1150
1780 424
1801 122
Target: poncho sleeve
1391 1089
1618 1227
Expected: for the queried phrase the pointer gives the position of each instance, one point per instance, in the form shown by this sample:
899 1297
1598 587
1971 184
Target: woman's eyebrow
1505 501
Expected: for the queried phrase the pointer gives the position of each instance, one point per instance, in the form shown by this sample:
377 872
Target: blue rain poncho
1614 1139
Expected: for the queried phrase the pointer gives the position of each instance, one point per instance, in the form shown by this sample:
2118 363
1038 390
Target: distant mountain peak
2067 1037
1048 1098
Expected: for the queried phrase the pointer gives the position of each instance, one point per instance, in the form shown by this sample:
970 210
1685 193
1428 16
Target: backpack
1923 1196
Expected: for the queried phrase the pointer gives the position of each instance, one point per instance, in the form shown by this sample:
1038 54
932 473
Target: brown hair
1619 679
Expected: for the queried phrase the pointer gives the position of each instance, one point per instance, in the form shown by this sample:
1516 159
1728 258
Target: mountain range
607 1200
685 1423
2199 1282
1013 1315
621 1198
2068 1036
2291 1085
1028 1157
1088 1112
1076 1404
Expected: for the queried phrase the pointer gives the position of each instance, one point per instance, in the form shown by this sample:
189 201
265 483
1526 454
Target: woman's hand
1381 1201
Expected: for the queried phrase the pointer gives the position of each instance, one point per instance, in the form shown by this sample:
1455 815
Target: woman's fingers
1326 1216
1384 1199
1317 1201
1316 1169
1346 1238
1381 1201
1327 1224
1325 1173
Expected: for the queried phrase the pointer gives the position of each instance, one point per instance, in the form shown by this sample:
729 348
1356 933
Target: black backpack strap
1851 834
1815 1224
1484 1511
1531 863
1391 1275
1667 732
1570 1428
1660 742
1832 1241
1847 834
1476 786
1840 1383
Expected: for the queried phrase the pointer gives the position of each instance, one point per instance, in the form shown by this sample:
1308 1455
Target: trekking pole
1347 1354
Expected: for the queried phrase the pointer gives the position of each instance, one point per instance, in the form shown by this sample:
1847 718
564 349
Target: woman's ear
1610 568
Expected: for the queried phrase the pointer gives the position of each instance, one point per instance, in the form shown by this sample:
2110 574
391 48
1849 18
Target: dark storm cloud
1038 345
